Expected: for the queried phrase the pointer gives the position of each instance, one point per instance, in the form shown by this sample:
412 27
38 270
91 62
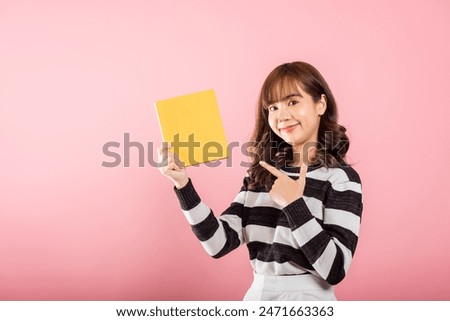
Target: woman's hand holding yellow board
173 168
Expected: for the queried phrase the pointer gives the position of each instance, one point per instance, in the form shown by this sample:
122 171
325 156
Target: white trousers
306 287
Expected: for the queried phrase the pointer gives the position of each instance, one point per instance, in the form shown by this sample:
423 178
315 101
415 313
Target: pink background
77 74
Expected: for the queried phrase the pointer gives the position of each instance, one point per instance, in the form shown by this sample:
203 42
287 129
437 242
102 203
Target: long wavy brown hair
265 145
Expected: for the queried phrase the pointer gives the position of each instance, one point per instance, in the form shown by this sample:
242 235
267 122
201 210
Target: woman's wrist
181 184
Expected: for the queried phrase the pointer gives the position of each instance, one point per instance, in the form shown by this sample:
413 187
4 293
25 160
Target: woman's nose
284 114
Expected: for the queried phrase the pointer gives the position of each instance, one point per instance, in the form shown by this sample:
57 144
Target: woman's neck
301 157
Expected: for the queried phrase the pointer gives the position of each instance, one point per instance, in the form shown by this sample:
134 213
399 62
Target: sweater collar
296 170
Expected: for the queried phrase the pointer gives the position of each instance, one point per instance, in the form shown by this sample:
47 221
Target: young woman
299 209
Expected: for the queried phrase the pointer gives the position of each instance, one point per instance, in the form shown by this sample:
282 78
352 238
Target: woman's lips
289 128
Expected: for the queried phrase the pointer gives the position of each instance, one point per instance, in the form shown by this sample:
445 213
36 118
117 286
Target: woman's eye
272 108
293 102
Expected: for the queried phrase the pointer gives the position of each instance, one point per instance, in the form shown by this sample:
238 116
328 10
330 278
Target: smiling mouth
288 128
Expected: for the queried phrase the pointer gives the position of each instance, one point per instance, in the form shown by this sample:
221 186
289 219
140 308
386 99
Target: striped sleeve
330 246
218 236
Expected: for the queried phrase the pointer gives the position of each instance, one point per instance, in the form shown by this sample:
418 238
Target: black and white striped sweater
315 234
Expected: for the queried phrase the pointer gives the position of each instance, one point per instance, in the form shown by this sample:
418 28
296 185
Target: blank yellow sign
192 124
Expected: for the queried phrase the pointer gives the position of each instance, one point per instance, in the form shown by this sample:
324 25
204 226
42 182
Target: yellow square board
192 124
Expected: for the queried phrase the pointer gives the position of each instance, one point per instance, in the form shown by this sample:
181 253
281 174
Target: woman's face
296 119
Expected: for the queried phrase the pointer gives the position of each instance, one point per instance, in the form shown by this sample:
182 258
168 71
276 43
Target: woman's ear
322 105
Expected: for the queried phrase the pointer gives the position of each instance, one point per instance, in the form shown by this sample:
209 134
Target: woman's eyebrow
286 98
292 95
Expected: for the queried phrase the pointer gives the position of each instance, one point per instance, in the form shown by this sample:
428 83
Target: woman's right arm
218 236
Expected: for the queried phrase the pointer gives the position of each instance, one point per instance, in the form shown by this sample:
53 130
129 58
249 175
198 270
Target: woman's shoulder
337 174
350 172
249 185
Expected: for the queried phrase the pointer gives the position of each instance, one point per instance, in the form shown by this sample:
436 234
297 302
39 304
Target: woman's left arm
330 246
